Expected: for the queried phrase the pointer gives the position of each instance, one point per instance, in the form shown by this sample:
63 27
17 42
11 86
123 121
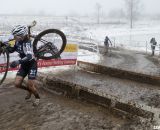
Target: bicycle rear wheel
4 64
54 42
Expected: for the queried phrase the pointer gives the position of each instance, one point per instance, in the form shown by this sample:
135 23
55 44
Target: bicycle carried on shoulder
48 44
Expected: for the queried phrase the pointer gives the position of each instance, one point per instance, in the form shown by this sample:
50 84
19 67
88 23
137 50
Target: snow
84 55
84 29
120 33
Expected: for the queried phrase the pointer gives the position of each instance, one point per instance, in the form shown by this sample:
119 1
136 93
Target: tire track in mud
128 62
131 61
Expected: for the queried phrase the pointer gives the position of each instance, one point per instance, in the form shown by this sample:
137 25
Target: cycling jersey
27 61
25 50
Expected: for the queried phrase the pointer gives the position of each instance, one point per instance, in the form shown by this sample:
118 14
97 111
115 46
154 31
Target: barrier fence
69 56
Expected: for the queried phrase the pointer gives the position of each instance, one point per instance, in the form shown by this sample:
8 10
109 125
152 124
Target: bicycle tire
6 65
45 32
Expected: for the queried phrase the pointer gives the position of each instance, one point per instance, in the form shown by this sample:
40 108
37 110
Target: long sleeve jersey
25 50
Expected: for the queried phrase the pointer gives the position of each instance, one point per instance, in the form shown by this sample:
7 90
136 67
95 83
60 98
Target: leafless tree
98 8
133 10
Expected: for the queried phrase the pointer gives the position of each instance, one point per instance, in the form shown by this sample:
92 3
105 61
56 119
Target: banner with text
68 57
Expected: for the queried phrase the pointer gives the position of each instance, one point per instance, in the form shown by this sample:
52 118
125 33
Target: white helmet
20 30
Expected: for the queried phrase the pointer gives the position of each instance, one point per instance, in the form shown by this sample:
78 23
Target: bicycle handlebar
33 24
30 26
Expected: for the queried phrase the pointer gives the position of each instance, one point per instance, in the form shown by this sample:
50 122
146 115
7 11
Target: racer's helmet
20 30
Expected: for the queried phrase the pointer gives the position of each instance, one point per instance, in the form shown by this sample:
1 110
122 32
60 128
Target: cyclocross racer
27 62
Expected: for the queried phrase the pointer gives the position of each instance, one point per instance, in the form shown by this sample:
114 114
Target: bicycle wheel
49 44
4 64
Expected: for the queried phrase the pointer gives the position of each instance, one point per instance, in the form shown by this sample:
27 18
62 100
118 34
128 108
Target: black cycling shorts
28 68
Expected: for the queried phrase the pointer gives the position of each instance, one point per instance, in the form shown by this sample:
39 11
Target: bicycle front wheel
4 64
49 44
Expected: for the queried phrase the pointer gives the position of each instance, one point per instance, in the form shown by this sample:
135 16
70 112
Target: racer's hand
14 64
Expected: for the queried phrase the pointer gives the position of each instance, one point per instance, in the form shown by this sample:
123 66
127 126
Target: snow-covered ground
137 38
86 29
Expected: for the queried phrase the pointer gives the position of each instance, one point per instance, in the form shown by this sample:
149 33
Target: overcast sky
63 7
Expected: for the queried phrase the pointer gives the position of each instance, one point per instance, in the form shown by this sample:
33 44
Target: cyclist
153 43
27 62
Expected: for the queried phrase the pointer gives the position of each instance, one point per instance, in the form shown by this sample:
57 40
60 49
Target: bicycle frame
32 35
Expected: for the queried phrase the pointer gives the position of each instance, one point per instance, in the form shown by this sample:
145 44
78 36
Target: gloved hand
14 64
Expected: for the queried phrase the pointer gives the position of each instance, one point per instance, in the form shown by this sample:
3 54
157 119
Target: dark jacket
153 43
106 41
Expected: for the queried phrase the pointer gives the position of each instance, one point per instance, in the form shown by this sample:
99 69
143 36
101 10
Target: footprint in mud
96 85
152 100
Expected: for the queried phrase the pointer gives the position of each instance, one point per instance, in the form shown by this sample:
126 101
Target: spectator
153 45
106 44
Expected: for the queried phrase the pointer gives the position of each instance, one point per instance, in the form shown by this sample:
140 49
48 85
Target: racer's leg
32 82
106 49
33 88
21 74
18 83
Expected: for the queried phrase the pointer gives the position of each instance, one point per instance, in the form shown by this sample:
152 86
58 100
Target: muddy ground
127 60
57 112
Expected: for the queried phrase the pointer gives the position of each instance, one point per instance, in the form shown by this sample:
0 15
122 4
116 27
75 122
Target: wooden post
146 47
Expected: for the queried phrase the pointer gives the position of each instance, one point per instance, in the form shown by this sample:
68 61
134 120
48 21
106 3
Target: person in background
153 45
107 41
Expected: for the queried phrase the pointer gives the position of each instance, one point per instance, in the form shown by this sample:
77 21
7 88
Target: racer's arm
110 41
28 57
17 62
11 49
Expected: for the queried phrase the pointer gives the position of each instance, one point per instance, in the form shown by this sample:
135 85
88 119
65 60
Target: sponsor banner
56 62
70 51
71 48
68 57
2 67
45 63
